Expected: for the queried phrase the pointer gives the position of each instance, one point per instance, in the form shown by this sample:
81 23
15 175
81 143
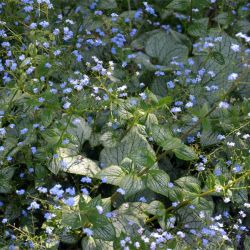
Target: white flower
247 205
88 231
242 214
226 199
235 47
99 209
221 137
218 188
246 136
223 105
121 191
66 105
230 144
181 234
143 96
189 105
176 109
232 77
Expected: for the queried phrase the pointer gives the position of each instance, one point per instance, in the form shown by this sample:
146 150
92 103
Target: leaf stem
231 89
204 194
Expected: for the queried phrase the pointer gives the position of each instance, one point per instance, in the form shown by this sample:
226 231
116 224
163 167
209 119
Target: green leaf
218 57
129 144
54 166
185 153
176 194
171 143
151 120
164 46
72 219
25 62
107 4
197 29
7 173
224 18
179 5
208 138
157 180
132 184
89 243
189 183
164 138
143 157
129 212
247 243
76 164
190 216
144 60
51 136
103 229
109 139
47 116
114 175
80 130
159 86
140 42
69 238
5 187
160 133
156 208
165 101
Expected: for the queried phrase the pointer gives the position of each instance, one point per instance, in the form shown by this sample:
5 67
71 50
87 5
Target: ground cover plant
124 124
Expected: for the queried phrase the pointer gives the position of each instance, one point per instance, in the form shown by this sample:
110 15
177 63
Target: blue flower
149 9
85 191
20 192
88 231
70 191
237 168
119 39
4 220
121 191
86 180
49 216
217 172
23 131
33 205
170 84
70 201
44 24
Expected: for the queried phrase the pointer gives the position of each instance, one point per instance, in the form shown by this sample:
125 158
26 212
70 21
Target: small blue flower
33 205
70 191
104 179
86 180
88 231
49 216
4 220
121 191
85 191
20 192
237 168
170 184
23 131
70 201
170 84
217 172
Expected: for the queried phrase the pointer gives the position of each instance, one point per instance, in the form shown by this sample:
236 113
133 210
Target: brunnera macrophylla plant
124 124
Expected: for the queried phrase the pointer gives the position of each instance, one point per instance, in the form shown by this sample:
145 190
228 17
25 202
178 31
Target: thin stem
204 194
233 87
